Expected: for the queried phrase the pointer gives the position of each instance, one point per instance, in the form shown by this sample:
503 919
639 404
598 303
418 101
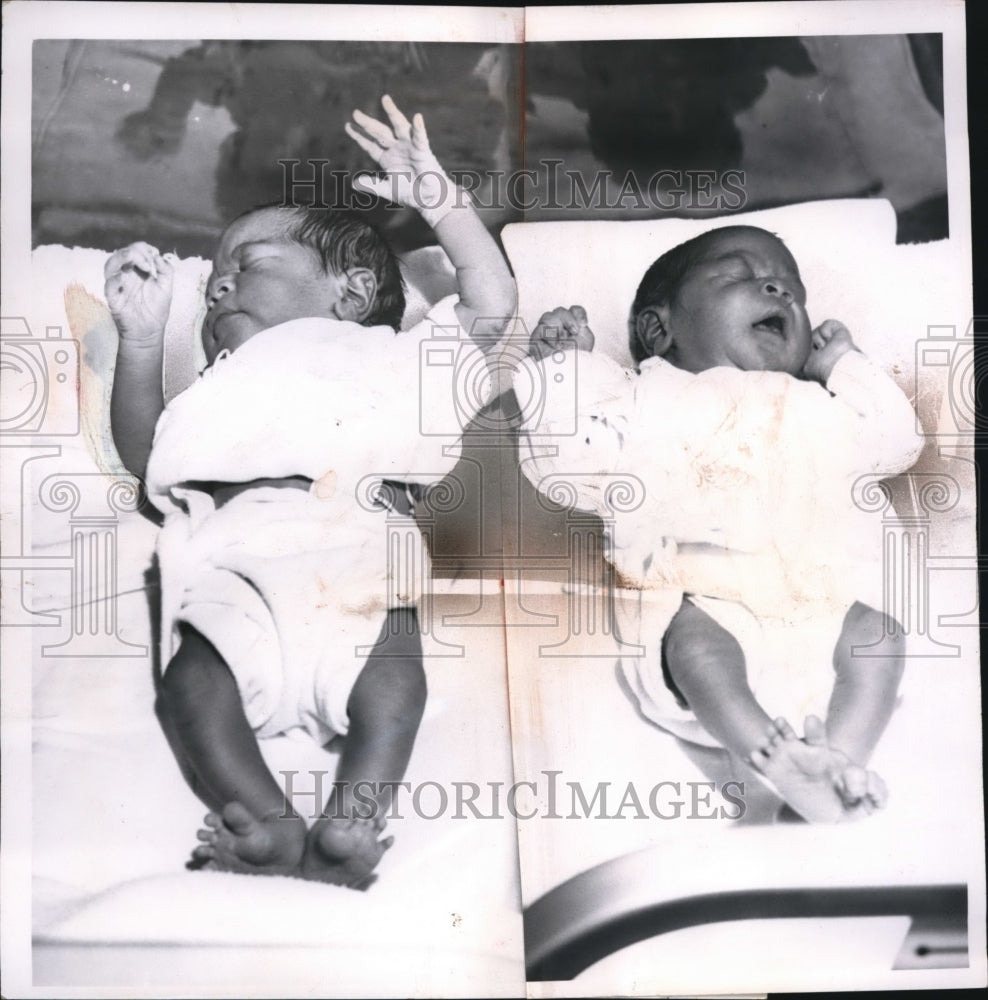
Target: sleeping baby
278 609
749 429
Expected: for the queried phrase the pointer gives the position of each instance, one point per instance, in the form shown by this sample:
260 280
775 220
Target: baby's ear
358 295
651 332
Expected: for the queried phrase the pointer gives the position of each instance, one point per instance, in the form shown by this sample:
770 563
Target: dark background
167 141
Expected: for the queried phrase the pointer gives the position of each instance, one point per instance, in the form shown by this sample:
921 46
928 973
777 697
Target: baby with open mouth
749 429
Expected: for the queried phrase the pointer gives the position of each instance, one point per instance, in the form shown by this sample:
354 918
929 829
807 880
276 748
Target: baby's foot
235 841
344 851
806 772
862 791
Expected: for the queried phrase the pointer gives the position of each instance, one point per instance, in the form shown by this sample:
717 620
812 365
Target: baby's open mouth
773 323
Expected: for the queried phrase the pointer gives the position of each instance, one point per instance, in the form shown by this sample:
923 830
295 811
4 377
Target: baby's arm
138 290
883 422
487 290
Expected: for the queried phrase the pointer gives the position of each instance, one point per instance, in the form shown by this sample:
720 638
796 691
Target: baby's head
277 264
729 297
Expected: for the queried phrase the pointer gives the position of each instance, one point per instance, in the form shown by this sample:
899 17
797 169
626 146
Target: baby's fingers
419 138
574 319
378 131
545 336
401 125
142 256
369 146
827 330
563 321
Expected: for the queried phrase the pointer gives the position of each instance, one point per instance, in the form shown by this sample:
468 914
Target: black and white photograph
655 684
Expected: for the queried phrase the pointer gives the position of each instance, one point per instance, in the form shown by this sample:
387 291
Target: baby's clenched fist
831 340
138 290
559 330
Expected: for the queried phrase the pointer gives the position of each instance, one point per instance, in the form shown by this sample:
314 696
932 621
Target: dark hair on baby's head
661 282
343 241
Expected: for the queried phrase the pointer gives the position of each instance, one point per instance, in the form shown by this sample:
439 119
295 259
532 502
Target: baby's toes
365 830
877 791
336 839
776 734
814 731
373 848
203 857
779 731
237 819
760 757
852 785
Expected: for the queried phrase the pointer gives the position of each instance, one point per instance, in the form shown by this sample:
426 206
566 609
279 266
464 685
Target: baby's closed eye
251 257
734 269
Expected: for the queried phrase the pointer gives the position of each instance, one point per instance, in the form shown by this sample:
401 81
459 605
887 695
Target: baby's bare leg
865 686
257 830
707 664
863 699
385 708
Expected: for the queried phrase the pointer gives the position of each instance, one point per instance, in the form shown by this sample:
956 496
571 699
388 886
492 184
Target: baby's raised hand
559 330
831 341
415 178
138 291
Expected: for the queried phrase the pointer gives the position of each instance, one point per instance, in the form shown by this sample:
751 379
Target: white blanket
316 398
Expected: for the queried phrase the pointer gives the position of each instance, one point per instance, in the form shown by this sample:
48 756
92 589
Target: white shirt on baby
747 479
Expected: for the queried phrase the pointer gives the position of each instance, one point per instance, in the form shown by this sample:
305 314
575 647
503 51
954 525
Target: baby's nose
776 288
217 288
